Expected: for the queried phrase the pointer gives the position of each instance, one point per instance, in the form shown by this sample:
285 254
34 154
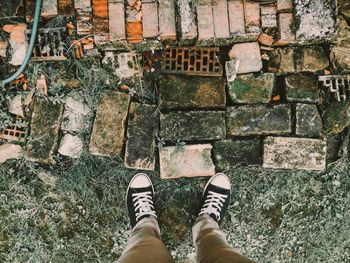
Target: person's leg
209 240
144 245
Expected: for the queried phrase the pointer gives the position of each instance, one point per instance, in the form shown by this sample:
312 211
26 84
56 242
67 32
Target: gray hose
30 48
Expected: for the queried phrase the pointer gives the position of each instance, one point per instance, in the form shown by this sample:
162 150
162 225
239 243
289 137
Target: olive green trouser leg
211 244
145 245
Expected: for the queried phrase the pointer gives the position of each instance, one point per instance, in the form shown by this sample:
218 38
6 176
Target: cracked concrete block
258 120
294 153
249 56
186 161
192 125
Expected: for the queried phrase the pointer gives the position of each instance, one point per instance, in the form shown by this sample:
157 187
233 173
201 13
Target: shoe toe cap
140 180
221 180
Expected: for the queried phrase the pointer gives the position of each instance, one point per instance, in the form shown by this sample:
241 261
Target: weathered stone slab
294 153
186 161
268 16
10 151
150 19
281 60
193 125
306 59
18 42
188 19
308 121
228 153
45 125
252 89
220 15
302 88
336 117
258 120
249 56
205 22
252 16
166 18
285 22
142 130
191 92
236 16
316 19
311 59
116 20
71 146
107 137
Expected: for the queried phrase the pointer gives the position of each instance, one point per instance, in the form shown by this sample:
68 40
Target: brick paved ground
241 76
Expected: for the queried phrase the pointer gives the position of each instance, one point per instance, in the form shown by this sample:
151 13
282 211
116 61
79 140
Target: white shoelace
213 204
143 204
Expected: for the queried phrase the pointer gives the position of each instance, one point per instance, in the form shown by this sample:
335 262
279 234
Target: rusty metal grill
192 61
50 44
13 133
337 86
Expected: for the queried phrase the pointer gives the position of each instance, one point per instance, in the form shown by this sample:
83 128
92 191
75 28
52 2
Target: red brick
166 17
284 5
116 19
285 21
134 32
252 16
220 15
236 16
205 22
150 19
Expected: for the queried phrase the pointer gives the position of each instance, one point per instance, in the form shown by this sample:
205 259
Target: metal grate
50 44
13 133
192 61
337 86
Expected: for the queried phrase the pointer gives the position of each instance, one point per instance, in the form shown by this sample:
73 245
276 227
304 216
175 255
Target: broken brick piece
220 16
166 19
236 16
10 151
186 161
294 153
44 131
265 39
107 138
134 32
142 130
284 5
150 20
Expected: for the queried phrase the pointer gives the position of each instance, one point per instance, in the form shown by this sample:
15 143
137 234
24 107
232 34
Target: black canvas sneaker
139 198
216 197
